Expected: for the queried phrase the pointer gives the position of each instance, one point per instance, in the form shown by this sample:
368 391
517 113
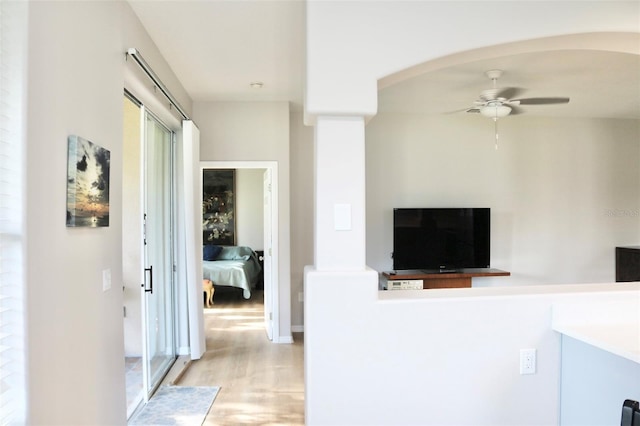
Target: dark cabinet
627 264
260 282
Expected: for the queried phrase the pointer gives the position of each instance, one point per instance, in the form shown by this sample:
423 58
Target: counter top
620 339
613 326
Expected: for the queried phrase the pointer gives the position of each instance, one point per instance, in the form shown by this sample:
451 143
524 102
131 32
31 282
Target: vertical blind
13 44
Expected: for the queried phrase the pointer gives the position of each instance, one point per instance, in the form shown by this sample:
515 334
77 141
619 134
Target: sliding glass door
158 288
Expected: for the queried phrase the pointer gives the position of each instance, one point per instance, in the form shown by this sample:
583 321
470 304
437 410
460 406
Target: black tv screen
445 239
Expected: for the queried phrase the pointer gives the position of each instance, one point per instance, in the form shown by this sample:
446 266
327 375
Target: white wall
585 387
302 206
346 56
76 357
250 208
442 357
254 131
131 230
552 186
75 330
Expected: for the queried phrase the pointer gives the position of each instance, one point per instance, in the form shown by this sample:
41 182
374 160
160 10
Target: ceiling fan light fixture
495 111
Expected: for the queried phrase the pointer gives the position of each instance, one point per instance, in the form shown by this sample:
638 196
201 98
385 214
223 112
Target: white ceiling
217 48
599 84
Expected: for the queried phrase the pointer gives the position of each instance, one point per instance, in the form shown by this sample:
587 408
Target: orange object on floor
207 287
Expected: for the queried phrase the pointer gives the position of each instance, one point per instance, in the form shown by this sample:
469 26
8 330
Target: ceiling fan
500 102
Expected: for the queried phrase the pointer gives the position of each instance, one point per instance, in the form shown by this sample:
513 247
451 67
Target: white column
339 286
339 194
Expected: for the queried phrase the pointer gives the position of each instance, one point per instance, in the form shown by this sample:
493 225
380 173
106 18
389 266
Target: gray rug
177 405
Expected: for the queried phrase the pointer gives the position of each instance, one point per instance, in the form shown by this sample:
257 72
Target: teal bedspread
235 266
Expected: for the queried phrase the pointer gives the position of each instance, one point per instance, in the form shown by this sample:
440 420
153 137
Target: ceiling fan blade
473 110
458 110
508 92
500 93
516 110
539 101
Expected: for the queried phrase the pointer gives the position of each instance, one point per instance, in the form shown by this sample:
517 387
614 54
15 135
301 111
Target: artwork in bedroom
87 183
218 206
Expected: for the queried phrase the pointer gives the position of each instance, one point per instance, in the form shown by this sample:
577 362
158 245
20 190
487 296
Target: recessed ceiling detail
587 77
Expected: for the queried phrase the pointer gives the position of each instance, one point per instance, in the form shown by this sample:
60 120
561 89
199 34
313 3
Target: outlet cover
527 361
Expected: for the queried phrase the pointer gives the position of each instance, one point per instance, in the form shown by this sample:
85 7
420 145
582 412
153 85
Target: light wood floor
262 383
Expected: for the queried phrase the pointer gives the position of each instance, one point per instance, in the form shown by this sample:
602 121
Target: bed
233 266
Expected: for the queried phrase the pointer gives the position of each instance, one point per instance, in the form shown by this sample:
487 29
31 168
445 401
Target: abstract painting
87 184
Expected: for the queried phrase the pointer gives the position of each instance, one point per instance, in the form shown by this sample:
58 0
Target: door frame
271 285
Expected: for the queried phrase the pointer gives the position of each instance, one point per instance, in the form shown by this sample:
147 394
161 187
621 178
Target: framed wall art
87 183
218 206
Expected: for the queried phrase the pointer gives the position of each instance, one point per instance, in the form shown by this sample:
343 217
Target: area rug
177 405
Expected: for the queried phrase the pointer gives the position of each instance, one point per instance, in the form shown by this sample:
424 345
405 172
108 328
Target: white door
268 254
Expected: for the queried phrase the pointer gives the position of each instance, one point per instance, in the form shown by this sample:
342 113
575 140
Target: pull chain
495 126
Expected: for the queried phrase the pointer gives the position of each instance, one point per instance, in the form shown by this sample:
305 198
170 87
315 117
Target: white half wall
438 357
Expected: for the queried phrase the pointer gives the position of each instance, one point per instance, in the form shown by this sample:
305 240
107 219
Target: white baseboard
297 328
283 339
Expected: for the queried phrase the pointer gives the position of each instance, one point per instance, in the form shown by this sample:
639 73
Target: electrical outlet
527 361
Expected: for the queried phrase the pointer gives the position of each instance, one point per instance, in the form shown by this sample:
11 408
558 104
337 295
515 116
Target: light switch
106 279
342 217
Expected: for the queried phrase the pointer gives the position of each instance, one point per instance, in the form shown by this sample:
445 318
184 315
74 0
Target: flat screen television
444 239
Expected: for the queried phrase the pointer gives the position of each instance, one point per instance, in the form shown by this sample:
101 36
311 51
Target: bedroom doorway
269 173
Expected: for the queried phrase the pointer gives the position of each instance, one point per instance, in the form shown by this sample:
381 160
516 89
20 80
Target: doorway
148 251
270 239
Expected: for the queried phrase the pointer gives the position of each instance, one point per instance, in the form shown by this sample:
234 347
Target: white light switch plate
342 217
106 279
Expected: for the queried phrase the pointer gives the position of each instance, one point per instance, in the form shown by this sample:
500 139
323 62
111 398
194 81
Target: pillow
235 253
210 252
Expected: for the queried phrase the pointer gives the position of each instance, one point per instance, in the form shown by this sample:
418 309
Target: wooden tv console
437 279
